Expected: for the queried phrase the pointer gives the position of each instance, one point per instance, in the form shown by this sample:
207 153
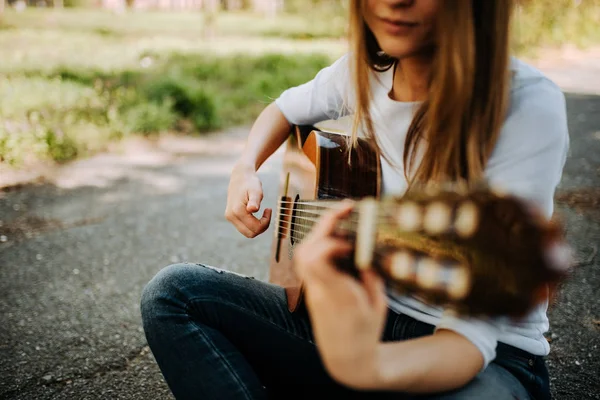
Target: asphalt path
77 249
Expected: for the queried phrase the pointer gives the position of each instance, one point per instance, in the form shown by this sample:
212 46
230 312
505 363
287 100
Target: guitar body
315 166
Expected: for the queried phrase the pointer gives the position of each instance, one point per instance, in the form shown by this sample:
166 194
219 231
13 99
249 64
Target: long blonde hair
468 88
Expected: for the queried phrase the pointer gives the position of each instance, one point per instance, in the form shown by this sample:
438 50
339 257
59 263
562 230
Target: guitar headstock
475 249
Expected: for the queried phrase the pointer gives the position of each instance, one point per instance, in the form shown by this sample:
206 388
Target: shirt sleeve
327 96
530 155
527 161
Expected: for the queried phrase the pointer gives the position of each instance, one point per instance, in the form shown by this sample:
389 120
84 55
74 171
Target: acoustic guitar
474 249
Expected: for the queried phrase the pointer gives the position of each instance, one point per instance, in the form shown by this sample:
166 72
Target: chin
399 52
403 50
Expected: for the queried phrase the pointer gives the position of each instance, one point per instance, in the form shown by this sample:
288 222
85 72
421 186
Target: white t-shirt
528 160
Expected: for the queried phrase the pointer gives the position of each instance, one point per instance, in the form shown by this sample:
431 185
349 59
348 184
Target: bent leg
218 334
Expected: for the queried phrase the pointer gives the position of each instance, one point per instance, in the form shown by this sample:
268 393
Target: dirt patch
584 200
26 227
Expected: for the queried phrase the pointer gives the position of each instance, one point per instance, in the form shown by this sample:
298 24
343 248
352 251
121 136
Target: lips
397 27
398 22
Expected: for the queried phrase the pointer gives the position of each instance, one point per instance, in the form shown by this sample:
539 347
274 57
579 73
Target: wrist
246 164
379 370
359 373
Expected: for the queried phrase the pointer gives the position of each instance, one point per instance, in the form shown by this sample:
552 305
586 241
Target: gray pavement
79 251
76 251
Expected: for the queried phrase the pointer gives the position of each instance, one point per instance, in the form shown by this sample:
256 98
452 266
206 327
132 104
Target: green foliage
189 99
78 3
72 81
150 117
17 147
69 112
556 22
61 147
204 114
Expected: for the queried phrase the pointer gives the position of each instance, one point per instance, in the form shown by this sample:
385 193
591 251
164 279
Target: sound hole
294 226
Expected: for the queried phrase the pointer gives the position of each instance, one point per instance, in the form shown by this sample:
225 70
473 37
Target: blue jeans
220 335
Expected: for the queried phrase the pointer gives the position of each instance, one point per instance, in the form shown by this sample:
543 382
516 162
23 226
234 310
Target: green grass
73 81
65 112
549 23
309 25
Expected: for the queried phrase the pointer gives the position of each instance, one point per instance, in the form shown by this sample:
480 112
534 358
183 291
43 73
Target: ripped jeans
220 335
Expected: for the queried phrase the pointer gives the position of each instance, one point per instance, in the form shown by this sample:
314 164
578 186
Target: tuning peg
428 272
458 283
409 216
437 217
467 219
402 265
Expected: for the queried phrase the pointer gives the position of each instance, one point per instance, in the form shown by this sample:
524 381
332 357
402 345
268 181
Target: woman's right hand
244 196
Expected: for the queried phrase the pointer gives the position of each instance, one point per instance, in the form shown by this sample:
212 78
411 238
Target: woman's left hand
347 314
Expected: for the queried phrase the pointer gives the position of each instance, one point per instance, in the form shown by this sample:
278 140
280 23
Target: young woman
432 84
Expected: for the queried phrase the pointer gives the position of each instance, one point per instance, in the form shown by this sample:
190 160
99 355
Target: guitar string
349 224
325 208
331 204
444 264
283 230
352 222
381 213
379 252
312 221
314 217
441 284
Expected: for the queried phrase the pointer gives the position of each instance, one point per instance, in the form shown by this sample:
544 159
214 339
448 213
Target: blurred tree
58 3
1 7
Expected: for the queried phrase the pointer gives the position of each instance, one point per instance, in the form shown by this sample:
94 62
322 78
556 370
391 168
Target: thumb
254 198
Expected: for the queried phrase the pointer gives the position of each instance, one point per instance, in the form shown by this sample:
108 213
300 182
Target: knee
163 288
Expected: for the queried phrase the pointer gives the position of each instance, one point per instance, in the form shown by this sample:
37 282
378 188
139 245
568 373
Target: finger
256 225
250 222
336 287
375 288
255 196
241 227
368 294
317 259
246 217
326 224
265 220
